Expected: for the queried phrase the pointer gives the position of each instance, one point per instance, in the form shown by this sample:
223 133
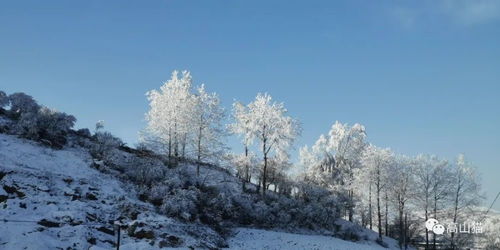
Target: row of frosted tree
392 193
372 186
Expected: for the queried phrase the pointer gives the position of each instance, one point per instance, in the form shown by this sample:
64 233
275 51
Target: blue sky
422 76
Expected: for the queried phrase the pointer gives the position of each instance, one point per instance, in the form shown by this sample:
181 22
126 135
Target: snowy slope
53 199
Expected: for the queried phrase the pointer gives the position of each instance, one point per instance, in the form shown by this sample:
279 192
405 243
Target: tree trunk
259 183
426 230
199 152
401 224
378 205
184 142
246 168
169 144
386 214
351 205
435 217
176 142
264 172
455 213
406 231
370 206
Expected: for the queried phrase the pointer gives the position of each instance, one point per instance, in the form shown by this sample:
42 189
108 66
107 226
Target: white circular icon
430 223
438 229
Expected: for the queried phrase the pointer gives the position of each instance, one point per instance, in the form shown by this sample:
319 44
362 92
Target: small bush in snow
145 171
46 125
106 142
181 204
215 207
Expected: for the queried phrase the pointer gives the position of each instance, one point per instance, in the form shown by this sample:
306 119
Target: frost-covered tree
207 122
242 128
4 100
363 183
432 185
270 125
465 193
377 162
401 187
277 167
171 112
246 165
442 186
332 161
184 121
348 144
22 103
99 125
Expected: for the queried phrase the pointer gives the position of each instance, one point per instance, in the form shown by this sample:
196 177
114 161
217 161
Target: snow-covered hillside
52 199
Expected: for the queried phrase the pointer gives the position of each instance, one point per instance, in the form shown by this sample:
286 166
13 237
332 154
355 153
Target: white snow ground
254 239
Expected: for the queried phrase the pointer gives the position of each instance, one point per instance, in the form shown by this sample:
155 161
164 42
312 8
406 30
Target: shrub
214 207
145 171
46 125
84 132
181 204
105 143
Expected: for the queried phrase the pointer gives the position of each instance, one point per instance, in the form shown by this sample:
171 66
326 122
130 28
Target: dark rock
75 197
170 241
92 241
20 194
144 234
91 217
76 223
68 180
106 230
13 190
2 174
91 196
3 198
47 223
22 205
9 189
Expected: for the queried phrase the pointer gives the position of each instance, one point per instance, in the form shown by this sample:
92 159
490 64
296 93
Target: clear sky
422 76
